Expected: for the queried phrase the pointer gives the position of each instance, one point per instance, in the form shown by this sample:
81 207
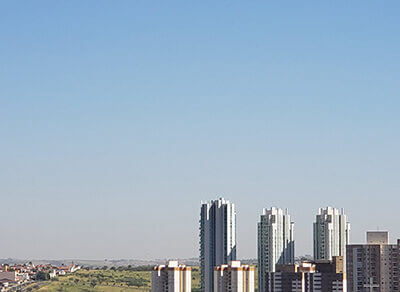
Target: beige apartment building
171 278
234 277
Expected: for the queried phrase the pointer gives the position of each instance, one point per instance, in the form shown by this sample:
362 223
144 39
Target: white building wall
187 281
249 281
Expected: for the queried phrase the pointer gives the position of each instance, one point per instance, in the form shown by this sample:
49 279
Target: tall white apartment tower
217 239
171 278
275 242
331 234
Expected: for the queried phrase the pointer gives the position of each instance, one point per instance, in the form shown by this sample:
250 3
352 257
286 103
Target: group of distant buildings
336 266
12 276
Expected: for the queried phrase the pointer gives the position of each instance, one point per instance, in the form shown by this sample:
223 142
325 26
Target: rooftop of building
172 265
234 265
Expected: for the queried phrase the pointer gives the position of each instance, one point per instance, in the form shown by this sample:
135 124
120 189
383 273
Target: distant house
53 274
9 276
74 268
63 270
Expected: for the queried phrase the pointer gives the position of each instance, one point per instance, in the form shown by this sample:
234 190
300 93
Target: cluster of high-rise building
275 242
337 265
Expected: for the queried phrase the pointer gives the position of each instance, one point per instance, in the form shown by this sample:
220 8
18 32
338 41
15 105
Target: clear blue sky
118 117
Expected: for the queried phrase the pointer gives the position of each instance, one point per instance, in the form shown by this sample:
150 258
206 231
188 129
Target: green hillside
107 281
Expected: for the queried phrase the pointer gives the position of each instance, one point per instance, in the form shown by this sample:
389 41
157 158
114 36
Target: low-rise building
171 278
234 278
9 276
322 275
374 266
53 274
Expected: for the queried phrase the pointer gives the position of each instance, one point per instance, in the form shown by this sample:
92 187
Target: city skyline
273 210
118 118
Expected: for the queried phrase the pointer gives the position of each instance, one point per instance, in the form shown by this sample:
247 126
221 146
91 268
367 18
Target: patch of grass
108 281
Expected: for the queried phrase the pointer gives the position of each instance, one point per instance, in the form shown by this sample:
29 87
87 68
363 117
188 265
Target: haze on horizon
119 117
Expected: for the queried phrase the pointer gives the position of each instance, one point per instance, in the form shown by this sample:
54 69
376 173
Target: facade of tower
275 242
331 234
217 239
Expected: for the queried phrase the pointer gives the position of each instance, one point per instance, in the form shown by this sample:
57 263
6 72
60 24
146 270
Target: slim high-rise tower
275 242
331 234
217 239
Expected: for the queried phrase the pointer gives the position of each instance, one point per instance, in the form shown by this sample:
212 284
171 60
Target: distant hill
100 263
113 262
